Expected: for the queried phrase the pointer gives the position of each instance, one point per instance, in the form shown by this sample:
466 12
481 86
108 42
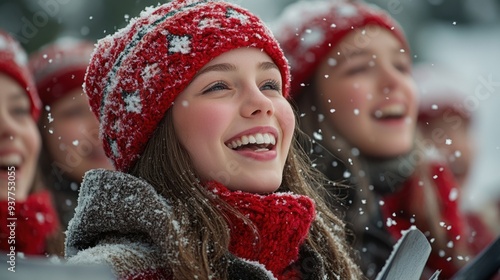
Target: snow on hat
14 63
440 89
60 67
135 74
309 30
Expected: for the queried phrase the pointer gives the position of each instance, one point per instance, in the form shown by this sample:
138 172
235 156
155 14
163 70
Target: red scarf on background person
395 208
282 221
35 219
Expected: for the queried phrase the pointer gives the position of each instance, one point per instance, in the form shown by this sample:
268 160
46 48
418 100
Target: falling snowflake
453 194
332 61
317 136
312 37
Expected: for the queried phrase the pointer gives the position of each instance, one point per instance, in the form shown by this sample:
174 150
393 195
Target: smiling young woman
352 83
25 205
238 99
211 183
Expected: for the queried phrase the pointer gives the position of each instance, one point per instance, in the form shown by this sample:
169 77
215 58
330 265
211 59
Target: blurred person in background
448 126
70 132
29 222
352 81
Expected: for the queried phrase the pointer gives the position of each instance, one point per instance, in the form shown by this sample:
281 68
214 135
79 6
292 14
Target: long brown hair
166 165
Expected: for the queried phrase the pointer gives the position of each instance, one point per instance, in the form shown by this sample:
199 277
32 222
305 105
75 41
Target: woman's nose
389 79
7 125
256 103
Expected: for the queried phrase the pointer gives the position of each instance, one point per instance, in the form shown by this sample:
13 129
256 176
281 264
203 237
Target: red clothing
396 209
280 232
282 221
121 222
26 225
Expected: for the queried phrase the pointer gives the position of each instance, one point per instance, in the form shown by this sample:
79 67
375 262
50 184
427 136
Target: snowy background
462 34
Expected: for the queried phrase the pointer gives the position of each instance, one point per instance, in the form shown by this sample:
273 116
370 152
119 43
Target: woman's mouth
258 142
390 112
9 161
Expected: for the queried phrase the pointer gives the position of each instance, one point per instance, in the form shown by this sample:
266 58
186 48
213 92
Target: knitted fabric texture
135 75
395 209
60 67
36 219
309 30
14 63
121 220
282 221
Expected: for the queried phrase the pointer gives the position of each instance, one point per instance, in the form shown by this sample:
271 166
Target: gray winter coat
120 221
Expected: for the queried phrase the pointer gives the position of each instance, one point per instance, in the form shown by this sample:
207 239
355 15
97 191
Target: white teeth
11 160
258 138
390 110
266 138
244 140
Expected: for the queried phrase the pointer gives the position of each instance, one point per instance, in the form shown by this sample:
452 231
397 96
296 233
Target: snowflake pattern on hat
179 44
135 74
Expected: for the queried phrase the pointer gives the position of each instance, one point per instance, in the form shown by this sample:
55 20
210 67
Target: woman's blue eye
216 87
271 85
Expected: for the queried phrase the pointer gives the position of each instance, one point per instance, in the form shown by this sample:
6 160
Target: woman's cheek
286 116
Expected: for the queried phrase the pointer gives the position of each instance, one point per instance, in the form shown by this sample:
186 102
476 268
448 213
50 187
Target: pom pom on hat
135 74
14 63
309 30
60 67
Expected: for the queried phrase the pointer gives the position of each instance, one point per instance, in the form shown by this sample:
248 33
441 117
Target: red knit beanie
14 63
309 30
60 67
135 74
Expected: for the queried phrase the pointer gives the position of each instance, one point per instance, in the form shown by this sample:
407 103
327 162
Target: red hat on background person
308 30
135 75
14 63
60 67
440 90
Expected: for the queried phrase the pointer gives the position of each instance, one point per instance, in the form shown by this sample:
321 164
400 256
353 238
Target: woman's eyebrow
267 65
222 67
343 58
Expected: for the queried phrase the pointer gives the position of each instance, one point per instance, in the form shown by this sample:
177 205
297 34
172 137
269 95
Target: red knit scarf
31 222
282 221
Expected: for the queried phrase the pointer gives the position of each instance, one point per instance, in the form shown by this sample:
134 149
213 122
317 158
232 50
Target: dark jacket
120 221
